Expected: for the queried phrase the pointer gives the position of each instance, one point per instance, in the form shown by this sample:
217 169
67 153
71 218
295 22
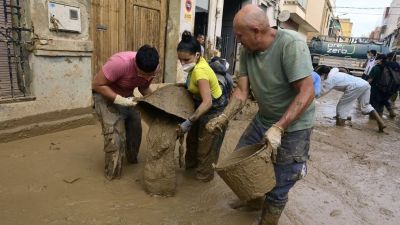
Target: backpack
389 81
218 65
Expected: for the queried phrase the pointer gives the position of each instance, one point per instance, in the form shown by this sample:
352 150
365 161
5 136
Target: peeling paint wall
59 65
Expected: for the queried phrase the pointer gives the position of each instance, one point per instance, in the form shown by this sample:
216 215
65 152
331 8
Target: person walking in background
369 63
200 38
380 94
392 57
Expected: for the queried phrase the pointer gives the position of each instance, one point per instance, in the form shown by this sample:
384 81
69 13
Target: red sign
188 5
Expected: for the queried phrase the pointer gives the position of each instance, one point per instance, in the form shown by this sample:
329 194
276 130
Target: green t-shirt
270 74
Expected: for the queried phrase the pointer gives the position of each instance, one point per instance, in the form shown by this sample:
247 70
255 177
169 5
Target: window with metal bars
12 59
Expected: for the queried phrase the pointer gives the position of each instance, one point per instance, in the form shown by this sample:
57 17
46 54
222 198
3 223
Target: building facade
45 62
347 27
309 17
390 30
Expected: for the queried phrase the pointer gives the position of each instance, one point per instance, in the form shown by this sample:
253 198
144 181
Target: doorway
229 45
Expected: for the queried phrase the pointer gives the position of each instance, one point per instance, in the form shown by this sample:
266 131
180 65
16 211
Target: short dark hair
188 43
373 52
323 70
147 58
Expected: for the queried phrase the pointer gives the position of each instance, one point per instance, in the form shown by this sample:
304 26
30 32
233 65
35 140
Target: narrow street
57 179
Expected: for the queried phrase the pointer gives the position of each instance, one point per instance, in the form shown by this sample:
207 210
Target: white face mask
188 67
368 56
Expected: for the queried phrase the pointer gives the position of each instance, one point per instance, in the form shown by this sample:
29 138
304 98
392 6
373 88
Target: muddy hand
184 127
217 124
273 137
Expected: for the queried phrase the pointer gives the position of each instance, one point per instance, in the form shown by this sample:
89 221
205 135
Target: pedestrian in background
379 95
200 38
369 63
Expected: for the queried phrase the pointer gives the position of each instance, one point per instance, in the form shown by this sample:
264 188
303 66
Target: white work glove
217 124
273 137
184 127
130 101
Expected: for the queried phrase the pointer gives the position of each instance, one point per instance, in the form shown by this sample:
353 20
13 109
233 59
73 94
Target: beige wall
319 13
313 18
314 13
59 72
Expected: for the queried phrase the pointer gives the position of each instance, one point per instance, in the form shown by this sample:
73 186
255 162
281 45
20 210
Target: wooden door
125 25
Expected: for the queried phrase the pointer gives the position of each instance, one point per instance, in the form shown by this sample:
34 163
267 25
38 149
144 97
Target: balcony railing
301 3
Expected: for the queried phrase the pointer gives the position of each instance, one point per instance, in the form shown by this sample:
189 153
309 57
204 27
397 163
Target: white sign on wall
64 17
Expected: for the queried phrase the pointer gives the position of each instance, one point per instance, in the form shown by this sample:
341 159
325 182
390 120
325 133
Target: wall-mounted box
64 17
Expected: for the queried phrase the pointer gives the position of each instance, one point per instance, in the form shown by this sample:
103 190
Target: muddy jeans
202 147
290 163
122 130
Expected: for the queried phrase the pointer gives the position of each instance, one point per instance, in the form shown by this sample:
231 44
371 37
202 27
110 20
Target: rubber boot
392 114
340 122
379 121
270 215
250 205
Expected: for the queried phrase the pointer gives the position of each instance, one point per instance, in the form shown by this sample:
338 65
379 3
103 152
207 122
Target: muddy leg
191 147
114 148
133 135
114 136
159 169
207 152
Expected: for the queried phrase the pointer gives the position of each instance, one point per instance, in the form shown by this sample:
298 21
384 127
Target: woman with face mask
202 147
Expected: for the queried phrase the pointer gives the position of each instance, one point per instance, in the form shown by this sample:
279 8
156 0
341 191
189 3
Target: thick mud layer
159 175
170 99
57 179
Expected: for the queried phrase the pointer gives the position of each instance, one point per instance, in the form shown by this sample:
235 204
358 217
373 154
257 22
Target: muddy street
57 179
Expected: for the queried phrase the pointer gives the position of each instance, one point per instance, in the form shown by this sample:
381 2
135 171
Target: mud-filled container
248 171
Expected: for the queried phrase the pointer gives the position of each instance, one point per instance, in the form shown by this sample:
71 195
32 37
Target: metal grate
12 60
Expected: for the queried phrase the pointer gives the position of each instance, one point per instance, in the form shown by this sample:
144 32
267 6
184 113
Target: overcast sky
364 20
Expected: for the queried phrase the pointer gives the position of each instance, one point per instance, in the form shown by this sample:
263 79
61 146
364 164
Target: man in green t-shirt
276 65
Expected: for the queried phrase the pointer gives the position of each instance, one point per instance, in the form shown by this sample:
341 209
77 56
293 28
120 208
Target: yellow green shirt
202 71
